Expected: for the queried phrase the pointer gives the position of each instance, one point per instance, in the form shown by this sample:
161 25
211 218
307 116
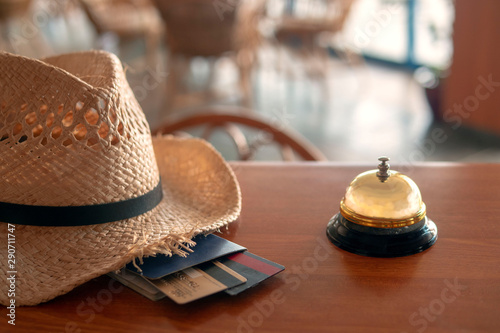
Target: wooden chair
13 8
13 35
235 122
301 25
196 28
127 19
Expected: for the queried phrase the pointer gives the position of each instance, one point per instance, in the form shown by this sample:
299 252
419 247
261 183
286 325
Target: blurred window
408 32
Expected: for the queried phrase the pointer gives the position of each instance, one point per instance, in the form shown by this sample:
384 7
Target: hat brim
201 194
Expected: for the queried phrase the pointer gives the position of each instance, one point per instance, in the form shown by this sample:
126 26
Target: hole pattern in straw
61 117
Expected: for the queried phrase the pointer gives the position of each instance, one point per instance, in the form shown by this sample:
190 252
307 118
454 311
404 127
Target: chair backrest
235 122
324 15
196 27
123 17
13 8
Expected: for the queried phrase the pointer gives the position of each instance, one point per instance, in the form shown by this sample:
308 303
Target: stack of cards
215 265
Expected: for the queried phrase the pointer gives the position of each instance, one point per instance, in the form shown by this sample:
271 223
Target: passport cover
207 248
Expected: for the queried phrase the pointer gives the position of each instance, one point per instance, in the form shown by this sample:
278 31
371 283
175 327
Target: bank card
254 268
197 282
138 284
207 248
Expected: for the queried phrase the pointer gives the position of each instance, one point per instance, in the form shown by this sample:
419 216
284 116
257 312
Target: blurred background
342 80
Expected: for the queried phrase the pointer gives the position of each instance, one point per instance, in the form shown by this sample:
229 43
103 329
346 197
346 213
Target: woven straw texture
72 133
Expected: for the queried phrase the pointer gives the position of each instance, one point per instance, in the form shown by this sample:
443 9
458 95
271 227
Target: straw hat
80 177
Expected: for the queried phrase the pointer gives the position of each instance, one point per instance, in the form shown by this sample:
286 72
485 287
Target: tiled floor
354 113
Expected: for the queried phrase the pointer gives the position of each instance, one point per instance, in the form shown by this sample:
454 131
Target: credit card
254 268
207 248
197 282
138 284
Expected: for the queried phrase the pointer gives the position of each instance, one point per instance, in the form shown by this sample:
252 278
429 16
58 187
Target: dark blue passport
207 248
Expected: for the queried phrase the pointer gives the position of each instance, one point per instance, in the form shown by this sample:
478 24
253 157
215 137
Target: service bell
382 215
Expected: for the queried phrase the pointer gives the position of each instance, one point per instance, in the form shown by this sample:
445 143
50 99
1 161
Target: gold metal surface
380 222
392 202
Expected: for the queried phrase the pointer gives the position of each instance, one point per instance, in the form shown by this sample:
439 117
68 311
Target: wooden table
452 287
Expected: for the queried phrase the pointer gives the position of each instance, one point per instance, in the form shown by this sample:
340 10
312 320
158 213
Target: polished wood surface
452 287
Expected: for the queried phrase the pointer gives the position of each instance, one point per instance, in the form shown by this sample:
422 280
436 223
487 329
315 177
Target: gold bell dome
383 199
382 215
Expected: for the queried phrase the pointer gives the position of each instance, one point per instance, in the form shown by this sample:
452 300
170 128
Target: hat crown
71 132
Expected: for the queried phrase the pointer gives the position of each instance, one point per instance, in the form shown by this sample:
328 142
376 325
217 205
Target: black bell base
377 242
